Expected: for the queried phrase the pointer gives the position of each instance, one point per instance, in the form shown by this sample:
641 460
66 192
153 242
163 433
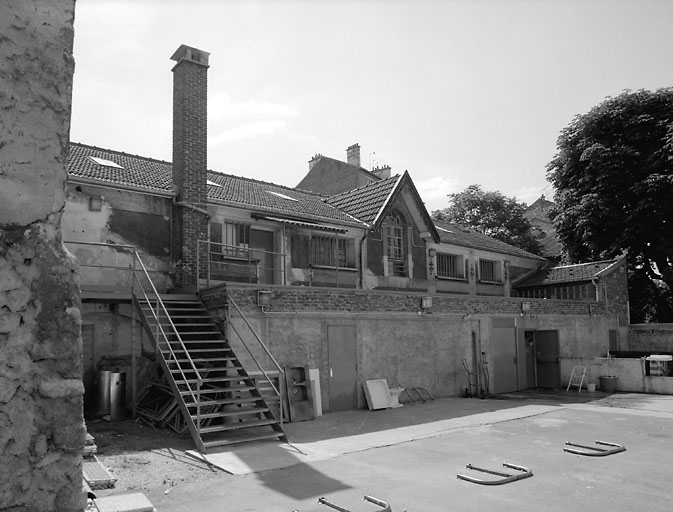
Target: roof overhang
301 223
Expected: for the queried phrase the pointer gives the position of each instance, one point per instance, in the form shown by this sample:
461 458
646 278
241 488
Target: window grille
332 252
450 265
489 271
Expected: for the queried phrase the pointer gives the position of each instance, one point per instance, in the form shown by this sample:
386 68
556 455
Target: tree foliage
613 176
492 214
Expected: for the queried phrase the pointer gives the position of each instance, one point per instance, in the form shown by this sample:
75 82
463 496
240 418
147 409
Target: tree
613 180
492 214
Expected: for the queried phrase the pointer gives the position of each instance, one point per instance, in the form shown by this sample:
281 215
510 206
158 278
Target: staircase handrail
279 392
161 304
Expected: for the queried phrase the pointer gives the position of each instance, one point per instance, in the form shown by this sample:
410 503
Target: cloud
221 106
434 190
248 131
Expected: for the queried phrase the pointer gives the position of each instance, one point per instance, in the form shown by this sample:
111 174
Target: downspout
192 207
362 260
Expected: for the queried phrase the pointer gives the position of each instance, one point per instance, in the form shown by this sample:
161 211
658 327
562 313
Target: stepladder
577 378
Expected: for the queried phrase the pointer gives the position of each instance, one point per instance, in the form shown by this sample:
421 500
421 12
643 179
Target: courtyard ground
409 457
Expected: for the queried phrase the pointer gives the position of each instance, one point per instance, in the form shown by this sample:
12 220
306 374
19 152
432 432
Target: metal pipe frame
506 477
595 451
384 506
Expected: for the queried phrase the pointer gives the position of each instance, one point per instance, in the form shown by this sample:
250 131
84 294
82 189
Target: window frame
495 273
332 252
442 264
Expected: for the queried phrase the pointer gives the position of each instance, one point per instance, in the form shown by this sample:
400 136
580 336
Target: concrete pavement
409 457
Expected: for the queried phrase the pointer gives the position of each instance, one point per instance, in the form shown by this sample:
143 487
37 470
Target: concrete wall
630 373
651 338
41 425
126 218
396 340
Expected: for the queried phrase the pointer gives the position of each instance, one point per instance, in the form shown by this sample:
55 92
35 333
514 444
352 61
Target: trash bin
117 396
110 394
608 383
102 398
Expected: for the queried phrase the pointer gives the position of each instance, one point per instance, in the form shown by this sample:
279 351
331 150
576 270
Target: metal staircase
219 401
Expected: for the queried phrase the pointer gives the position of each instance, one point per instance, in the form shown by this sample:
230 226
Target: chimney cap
191 54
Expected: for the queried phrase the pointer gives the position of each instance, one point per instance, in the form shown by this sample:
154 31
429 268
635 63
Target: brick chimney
382 172
190 159
353 155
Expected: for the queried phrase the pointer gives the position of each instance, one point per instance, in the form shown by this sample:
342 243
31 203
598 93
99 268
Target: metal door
547 355
342 373
504 361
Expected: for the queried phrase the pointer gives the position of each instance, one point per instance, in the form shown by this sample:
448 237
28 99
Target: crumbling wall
41 426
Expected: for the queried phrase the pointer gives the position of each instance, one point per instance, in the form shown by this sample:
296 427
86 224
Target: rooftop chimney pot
353 155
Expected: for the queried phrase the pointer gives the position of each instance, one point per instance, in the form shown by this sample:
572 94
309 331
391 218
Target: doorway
504 359
261 243
342 373
547 359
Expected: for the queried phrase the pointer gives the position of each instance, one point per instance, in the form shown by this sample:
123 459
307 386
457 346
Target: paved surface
410 457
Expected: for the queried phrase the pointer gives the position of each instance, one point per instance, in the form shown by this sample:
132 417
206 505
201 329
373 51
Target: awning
300 223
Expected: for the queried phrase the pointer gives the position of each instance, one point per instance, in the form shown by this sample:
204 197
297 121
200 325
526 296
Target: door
547 355
261 243
342 373
503 360
529 344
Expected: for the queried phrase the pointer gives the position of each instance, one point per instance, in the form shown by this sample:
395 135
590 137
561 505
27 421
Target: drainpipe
195 208
362 262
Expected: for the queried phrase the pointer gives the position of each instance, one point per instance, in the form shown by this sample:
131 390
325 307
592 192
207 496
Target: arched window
395 244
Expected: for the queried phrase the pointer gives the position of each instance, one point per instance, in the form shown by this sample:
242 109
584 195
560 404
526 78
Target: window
230 239
490 271
332 251
450 265
395 249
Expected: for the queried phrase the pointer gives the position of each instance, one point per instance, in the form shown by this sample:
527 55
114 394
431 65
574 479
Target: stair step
205 369
208 360
242 411
208 391
236 425
213 379
225 401
243 439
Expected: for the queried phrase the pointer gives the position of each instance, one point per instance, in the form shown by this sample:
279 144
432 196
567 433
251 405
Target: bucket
591 387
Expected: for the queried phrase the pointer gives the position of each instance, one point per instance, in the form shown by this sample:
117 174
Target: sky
457 92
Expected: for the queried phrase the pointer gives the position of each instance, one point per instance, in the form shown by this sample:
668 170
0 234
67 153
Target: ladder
579 372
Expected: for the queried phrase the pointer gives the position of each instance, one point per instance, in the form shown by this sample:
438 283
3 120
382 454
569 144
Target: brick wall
190 159
290 299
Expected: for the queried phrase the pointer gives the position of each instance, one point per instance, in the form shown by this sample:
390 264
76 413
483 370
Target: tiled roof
568 273
156 176
136 171
268 197
456 234
366 203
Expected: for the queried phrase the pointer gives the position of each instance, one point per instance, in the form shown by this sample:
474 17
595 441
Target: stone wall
41 425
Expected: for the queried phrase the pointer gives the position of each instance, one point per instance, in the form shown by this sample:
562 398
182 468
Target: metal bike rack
595 451
384 506
506 477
